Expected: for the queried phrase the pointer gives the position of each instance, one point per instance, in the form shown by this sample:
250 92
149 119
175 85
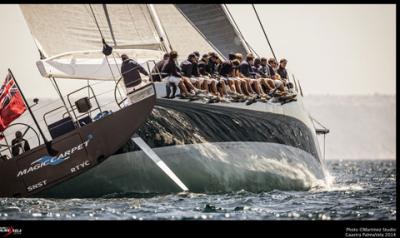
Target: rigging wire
102 37
265 34
197 29
109 23
238 29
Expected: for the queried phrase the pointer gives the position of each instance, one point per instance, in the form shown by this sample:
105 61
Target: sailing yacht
212 148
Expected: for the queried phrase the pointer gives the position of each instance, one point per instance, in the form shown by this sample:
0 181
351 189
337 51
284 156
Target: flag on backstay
11 102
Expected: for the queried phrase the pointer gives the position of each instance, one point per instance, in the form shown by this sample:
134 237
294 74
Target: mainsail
71 40
61 28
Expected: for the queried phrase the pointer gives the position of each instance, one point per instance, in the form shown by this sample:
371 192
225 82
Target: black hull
213 149
79 150
192 123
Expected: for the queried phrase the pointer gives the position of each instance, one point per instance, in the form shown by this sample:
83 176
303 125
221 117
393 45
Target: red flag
11 103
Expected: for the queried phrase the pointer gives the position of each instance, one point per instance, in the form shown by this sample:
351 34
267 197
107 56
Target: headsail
183 37
213 22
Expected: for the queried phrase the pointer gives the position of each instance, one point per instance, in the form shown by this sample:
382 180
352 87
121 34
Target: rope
95 21
109 24
265 34
108 63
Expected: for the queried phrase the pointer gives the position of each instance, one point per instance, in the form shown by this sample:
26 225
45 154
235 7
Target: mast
159 27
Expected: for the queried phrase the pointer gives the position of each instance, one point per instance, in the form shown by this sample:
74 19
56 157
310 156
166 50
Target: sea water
354 189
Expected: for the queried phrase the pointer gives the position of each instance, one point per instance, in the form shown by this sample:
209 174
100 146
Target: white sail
182 35
61 28
68 36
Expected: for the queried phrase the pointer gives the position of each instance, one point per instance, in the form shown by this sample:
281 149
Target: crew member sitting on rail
202 69
156 71
235 68
197 54
251 77
282 70
265 72
174 76
130 70
273 66
224 71
19 145
190 70
158 75
211 70
227 73
242 81
279 86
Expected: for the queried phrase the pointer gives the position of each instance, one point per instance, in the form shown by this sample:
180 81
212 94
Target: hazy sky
332 49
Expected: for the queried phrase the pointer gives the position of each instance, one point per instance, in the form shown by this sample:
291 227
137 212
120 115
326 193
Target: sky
331 49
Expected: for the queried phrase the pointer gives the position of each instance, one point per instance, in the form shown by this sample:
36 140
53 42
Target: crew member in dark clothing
226 68
245 67
212 64
252 78
130 70
174 76
273 66
282 69
157 72
190 70
197 54
19 145
202 65
231 56
265 70
227 74
187 66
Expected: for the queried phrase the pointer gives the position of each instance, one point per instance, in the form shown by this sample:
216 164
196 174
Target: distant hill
362 127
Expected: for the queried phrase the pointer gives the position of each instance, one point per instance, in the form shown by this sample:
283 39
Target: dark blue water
363 189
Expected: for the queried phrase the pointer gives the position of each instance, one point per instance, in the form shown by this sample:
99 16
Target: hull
213 149
204 168
78 151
